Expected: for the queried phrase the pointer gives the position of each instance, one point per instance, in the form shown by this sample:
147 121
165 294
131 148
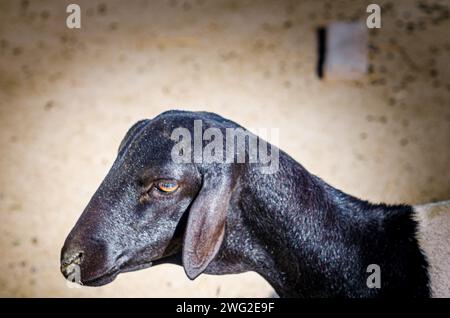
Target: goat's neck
308 239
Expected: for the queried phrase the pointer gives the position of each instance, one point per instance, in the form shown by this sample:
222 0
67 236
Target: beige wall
67 97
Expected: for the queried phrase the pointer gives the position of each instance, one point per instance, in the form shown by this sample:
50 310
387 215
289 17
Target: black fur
306 238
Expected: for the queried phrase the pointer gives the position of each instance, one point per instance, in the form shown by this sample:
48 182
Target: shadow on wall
67 97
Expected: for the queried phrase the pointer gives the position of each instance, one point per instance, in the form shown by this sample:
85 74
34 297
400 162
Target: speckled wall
67 97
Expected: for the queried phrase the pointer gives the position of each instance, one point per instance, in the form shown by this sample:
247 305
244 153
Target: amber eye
167 186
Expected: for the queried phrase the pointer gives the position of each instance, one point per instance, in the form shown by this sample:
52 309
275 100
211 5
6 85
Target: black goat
306 238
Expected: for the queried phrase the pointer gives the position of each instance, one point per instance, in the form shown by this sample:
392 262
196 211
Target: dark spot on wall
363 135
45 15
49 105
17 51
433 73
404 142
287 24
173 3
392 101
23 263
34 240
373 50
410 27
102 9
434 50
387 7
287 84
369 118
359 156
24 4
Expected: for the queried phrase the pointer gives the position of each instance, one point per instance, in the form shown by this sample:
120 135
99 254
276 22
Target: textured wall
67 97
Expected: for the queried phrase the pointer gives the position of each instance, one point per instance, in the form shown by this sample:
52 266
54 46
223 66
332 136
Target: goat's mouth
101 279
111 275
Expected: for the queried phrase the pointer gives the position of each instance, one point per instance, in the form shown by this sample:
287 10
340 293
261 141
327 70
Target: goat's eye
167 186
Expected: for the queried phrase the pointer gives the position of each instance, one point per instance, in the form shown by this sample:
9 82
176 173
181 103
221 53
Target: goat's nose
70 261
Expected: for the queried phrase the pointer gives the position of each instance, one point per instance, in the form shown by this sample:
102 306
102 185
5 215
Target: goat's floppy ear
206 223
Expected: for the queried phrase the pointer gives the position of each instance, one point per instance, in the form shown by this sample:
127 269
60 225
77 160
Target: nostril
71 262
79 258
75 258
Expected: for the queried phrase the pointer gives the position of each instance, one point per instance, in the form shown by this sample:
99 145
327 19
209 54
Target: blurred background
68 96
